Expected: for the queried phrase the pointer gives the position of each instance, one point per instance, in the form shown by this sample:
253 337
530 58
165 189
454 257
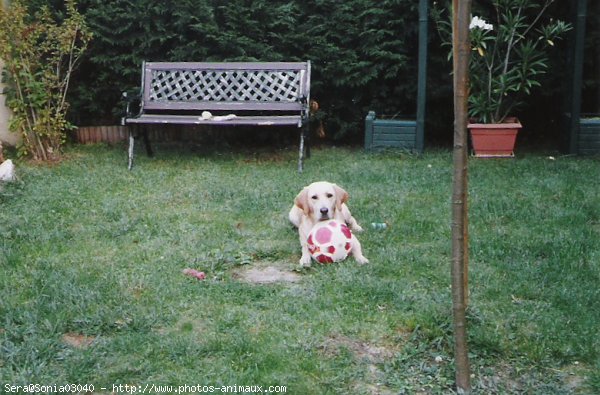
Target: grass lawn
92 290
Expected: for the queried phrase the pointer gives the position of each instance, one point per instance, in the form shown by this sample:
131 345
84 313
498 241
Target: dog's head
320 200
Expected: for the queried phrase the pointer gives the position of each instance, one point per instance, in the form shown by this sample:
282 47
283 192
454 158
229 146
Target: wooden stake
461 13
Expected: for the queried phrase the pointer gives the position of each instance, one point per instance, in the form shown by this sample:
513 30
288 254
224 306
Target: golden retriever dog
322 201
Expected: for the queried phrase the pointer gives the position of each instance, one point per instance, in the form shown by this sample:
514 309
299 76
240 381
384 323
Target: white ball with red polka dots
329 241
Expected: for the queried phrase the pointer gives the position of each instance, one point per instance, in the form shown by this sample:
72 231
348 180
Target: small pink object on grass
194 273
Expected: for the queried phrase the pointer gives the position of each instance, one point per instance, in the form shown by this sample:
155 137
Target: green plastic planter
588 139
390 133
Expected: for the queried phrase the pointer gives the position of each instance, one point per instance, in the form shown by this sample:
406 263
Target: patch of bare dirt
266 275
77 340
371 354
362 350
574 377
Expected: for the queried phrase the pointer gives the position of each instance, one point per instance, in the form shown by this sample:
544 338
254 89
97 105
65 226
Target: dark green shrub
363 52
364 56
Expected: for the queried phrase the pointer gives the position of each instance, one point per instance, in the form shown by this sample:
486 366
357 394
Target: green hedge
364 54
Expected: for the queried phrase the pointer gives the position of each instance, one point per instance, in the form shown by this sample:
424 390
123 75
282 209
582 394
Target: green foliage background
364 56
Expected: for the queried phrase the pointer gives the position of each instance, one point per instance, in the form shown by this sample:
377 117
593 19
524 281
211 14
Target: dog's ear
341 196
302 201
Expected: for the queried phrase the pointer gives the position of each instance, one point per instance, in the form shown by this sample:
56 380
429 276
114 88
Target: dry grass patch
370 354
266 273
77 340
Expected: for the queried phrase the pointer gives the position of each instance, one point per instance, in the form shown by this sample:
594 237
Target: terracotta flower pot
494 140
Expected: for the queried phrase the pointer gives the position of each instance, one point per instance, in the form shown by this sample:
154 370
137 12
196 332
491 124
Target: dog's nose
324 211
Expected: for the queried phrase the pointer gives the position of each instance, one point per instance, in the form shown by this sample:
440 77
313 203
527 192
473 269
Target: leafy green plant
40 55
510 54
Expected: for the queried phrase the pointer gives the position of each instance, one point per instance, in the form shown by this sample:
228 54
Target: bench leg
304 146
130 149
306 131
301 153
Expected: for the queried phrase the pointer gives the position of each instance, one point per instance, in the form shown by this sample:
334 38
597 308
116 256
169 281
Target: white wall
6 136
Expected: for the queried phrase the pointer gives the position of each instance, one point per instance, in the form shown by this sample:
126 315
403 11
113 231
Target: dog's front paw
357 228
305 261
361 260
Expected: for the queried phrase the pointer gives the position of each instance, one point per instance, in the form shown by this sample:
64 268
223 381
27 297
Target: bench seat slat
201 105
256 120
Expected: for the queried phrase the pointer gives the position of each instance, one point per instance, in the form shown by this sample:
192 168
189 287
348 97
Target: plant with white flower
509 59
479 23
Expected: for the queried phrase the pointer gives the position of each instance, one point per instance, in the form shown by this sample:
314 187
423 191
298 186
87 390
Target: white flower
480 23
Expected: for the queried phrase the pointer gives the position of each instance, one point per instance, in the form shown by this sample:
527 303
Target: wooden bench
222 94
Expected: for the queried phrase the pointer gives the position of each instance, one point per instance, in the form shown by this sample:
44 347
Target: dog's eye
314 197
329 195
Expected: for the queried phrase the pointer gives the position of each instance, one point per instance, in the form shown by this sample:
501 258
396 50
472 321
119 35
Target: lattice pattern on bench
229 85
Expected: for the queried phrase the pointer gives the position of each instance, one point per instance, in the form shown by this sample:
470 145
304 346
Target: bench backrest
260 86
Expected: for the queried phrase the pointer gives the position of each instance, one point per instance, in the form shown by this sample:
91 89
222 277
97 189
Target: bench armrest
130 99
305 107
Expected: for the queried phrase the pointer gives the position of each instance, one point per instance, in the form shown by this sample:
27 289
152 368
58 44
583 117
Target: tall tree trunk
461 49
